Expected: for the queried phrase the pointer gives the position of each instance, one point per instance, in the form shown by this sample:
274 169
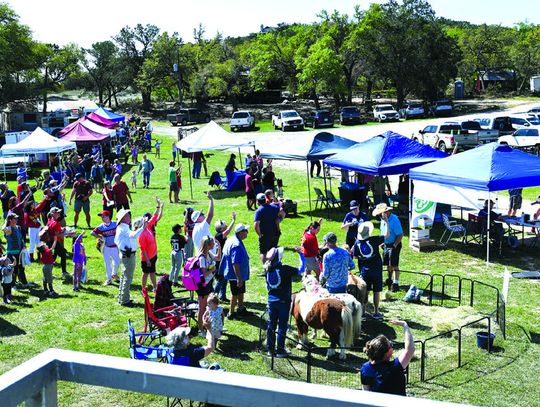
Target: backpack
192 274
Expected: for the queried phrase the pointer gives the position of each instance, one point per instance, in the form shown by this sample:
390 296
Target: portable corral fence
460 344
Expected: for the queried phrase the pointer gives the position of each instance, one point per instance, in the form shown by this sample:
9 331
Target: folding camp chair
332 200
321 199
162 320
165 298
145 351
217 181
451 227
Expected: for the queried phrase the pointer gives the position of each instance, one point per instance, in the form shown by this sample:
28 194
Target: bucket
482 339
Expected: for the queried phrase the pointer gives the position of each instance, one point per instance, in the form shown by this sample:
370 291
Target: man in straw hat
126 240
393 233
366 251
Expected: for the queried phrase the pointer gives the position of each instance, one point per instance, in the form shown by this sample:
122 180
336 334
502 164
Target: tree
401 41
135 46
525 52
101 65
58 63
17 56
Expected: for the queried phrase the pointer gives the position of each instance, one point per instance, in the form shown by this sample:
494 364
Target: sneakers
65 274
107 282
231 316
282 354
76 289
116 278
378 316
53 294
395 287
388 283
128 303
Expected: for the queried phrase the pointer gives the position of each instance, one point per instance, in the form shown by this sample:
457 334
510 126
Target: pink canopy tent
102 121
83 132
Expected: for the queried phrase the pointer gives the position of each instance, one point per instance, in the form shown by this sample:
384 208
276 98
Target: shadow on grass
534 337
236 347
8 329
221 194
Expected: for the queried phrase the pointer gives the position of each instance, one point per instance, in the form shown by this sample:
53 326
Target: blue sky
63 21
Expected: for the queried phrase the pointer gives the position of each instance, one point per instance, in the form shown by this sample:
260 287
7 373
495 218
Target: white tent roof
38 142
212 137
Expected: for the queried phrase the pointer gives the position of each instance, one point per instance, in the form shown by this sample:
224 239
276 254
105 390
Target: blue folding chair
145 352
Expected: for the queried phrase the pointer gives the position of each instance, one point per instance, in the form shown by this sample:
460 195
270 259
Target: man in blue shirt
235 267
351 221
337 263
266 225
393 234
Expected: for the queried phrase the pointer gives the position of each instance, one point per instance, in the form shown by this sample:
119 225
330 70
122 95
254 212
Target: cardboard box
417 234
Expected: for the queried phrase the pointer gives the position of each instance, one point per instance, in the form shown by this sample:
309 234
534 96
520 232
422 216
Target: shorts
391 255
149 269
250 195
203 291
312 264
235 290
124 205
373 279
84 205
173 186
266 242
47 273
515 202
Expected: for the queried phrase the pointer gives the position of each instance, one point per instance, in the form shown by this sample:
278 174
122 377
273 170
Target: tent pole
488 226
189 169
308 190
410 204
240 157
327 206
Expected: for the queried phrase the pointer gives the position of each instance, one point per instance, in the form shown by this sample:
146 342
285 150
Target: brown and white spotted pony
339 315
357 287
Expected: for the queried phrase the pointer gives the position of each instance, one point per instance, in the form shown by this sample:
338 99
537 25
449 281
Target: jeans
278 316
146 178
221 286
337 290
177 259
196 173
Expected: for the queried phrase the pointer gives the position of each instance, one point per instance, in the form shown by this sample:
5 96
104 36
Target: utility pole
176 68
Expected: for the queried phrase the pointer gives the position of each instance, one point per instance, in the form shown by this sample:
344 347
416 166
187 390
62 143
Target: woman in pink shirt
250 190
148 245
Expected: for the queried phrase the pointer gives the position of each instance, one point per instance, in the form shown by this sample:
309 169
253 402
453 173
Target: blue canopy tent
488 168
305 148
109 114
386 154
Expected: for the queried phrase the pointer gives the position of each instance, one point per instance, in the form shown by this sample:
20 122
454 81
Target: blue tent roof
304 147
109 114
386 154
491 167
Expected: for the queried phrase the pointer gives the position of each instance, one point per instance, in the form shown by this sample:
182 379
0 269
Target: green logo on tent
422 206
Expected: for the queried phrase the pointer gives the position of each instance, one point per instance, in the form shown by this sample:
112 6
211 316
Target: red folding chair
162 320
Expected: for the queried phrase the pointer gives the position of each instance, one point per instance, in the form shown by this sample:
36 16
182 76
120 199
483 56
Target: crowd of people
218 246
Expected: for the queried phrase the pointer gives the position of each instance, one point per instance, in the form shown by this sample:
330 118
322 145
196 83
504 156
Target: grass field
92 321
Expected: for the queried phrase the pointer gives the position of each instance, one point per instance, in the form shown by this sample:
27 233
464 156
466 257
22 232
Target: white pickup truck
288 119
243 119
472 135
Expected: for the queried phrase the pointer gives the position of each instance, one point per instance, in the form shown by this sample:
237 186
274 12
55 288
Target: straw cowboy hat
381 208
365 229
121 213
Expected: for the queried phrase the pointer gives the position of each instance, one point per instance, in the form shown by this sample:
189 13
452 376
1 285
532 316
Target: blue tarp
491 167
109 114
386 154
304 147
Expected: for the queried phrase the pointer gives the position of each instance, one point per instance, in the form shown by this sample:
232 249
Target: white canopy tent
38 142
211 137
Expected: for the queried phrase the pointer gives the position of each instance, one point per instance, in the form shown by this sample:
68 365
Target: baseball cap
104 213
261 197
78 175
353 204
240 228
330 237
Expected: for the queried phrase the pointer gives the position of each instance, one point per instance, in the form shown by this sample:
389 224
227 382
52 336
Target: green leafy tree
17 57
100 62
136 45
525 52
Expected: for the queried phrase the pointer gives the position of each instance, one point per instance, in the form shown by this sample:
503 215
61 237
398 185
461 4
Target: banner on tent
423 213
466 198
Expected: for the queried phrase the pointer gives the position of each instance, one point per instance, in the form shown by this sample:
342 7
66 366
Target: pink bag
192 274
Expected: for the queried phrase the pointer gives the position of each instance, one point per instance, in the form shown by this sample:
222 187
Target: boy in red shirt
47 258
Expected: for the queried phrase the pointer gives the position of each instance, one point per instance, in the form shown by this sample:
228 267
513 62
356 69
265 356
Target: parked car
412 111
319 118
287 119
441 108
440 136
521 121
472 135
350 115
502 124
385 113
242 119
525 139
190 115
